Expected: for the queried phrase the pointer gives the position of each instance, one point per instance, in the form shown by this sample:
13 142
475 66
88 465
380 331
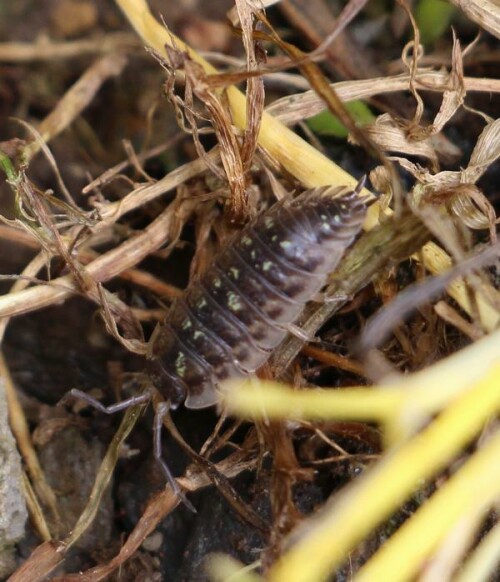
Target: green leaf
327 124
433 19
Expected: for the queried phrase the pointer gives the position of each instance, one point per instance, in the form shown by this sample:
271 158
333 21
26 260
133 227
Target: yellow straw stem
404 403
474 488
328 537
484 561
283 144
273 400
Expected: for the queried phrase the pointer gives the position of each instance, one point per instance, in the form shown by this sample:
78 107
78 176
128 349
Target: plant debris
129 161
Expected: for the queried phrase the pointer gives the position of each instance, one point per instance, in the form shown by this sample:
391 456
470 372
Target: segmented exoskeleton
229 320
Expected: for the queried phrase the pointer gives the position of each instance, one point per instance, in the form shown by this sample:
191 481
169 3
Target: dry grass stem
102 269
295 108
49 50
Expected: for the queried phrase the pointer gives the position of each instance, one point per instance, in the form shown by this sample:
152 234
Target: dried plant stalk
294 108
484 12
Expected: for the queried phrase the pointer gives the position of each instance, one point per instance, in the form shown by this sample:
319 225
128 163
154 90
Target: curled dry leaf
486 151
453 97
475 210
236 160
392 137
458 188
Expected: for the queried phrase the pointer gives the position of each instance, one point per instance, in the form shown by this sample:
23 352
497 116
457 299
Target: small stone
13 513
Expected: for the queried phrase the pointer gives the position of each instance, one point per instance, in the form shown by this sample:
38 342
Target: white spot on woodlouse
234 272
217 283
286 244
267 266
336 219
201 303
233 302
269 222
198 334
187 324
247 241
180 364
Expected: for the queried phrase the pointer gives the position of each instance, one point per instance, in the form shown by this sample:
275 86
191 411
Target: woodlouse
229 320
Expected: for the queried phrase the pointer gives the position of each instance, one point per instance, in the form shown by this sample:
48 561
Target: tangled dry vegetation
413 418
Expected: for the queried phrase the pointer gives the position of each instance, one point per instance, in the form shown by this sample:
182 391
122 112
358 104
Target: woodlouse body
228 321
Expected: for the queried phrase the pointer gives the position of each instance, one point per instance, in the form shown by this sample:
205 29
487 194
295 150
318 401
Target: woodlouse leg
161 411
112 408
